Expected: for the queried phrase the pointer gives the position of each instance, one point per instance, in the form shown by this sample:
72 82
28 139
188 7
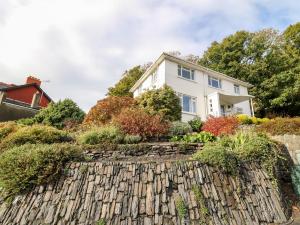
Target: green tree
129 78
58 113
262 58
162 101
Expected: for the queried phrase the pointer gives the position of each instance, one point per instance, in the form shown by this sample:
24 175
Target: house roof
4 85
15 87
189 64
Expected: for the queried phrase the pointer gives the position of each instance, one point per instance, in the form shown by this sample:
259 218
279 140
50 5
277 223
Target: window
140 89
214 82
186 73
188 103
154 78
236 89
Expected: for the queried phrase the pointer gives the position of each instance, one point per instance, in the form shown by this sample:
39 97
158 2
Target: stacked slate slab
136 193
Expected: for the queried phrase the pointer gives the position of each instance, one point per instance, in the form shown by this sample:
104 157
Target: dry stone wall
144 150
135 193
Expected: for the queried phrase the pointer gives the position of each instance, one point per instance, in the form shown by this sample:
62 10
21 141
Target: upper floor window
188 103
214 82
186 72
154 78
237 89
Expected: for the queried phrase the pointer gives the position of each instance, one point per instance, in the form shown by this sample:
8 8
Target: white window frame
236 88
192 103
210 79
154 78
180 68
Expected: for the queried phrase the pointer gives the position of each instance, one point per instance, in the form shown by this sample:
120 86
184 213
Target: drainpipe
252 110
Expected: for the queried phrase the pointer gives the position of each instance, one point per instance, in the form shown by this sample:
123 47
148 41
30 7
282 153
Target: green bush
201 137
230 151
23 167
179 128
132 139
196 124
26 121
106 134
57 113
36 134
215 154
162 101
6 129
280 126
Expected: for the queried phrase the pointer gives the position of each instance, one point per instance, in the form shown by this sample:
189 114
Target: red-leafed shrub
107 108
136 121
221 125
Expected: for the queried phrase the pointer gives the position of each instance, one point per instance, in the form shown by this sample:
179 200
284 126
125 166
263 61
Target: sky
83 46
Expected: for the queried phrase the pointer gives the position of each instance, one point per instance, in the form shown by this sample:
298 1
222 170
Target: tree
55 114
105 109
261 58
129 78
163 101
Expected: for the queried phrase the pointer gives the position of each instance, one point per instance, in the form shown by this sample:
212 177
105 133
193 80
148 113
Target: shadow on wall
13 112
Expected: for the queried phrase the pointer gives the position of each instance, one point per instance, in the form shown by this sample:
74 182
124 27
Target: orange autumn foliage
105 109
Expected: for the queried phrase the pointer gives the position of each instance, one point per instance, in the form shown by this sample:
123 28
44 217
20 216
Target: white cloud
83 46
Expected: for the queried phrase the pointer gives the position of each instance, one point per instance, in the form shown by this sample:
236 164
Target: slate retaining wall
134 193
144 150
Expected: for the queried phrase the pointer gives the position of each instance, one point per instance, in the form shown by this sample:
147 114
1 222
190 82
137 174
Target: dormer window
236 89
214 82
186 73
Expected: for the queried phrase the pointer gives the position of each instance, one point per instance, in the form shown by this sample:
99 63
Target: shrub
179 128
280 126
132 139
138 122
36 134
6 129
244 119
196 124
262 120
23 167
162 101
220 125
201 137
106 134
57 113
105 109
26 121
230 151
215 154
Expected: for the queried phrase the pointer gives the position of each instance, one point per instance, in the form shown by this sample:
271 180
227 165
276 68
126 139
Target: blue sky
83 46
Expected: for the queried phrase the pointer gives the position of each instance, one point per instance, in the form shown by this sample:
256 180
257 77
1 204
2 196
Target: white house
202 91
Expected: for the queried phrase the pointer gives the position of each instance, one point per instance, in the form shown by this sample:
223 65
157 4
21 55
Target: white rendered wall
199 88
148 85
188 87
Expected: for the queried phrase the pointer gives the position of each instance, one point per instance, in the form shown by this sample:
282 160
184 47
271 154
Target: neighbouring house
22 101
202 91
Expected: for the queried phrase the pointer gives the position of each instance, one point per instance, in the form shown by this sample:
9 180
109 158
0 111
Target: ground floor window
188 103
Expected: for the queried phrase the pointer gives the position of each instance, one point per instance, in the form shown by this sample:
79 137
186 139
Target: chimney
36 100
33 80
